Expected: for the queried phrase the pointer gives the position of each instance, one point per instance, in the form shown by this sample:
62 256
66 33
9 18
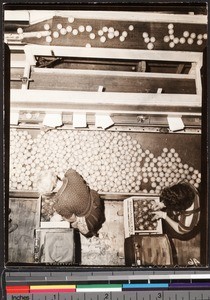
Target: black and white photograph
106 135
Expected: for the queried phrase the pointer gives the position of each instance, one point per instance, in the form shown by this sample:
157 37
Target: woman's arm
172 223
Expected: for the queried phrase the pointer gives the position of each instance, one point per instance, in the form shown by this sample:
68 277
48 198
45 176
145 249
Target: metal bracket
142 118
141 67
23 79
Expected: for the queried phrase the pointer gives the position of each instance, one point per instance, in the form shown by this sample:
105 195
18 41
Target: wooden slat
48 98
116 84
180 69
16 48
26 74
181 56
198 81
187 111
16 15
136 16
17 64
111 73
67 116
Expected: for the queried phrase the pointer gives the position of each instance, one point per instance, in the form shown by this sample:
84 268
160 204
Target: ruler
13 276
129 295
117 285
123 295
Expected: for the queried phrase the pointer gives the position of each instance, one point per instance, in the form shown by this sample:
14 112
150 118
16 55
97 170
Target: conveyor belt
134 39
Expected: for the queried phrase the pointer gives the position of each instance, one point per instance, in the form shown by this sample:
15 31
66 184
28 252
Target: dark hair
178 197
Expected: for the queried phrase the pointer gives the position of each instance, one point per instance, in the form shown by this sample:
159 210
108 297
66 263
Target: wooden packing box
136 210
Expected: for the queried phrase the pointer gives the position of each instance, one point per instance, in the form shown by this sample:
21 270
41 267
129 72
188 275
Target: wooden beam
15 48
16 15
124 113
111 73
180 69
65 100
135 16
26 75
181 56
17 64
34 195
198 82
33 18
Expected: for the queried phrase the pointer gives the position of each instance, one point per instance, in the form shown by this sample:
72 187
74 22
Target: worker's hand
56 218
159 215
72 219
158 206
81 225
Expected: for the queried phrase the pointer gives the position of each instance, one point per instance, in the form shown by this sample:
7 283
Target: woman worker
74 201
180 208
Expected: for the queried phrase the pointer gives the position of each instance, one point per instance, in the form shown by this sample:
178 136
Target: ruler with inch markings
132 295
107 285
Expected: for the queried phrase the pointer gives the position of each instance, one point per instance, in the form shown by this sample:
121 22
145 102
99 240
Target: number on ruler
106 297
159 295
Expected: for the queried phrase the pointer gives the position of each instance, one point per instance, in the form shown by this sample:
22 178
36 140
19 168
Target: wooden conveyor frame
113 102
130 16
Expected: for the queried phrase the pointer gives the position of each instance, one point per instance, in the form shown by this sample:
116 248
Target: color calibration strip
42 289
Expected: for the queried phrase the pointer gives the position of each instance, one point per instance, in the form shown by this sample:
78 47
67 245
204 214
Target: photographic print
107 135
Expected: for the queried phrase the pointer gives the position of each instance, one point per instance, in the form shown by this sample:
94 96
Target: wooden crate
130 220
48 224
